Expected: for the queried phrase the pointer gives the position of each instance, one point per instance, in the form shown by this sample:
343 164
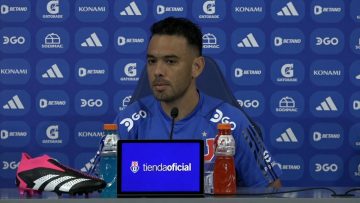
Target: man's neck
186 105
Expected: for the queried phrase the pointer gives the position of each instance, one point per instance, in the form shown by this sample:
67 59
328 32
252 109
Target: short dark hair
181 27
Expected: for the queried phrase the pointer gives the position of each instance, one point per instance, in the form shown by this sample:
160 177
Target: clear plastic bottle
108 160
224 170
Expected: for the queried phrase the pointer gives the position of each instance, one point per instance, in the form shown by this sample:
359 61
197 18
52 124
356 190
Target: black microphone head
174 112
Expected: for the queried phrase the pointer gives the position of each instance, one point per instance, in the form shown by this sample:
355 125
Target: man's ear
198 66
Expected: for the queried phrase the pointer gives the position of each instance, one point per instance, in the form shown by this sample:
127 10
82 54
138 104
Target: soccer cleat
46 174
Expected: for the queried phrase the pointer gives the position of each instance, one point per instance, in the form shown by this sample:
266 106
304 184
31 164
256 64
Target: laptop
160 168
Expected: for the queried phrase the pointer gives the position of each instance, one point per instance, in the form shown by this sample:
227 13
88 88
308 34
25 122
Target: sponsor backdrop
68 66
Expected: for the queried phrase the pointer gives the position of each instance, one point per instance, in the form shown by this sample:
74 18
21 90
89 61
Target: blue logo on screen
14 102
91 103
130 40
292 166
91 71
354 104
52 40
248 40
354 136
88 134
355 41
209 10
324 11
248 11
91 10
287 72
52 134
128 71
288 11
14 71
327 72
354 168
54 71
252 102
122 100
327 41
355 10
287 41
355 73
15 10
131 10
248 72
52 102
326 167
53 10
326 135
91 40
213 40
326 104
159 166
9 162
14 40
287 135
14 134
287 104
165 8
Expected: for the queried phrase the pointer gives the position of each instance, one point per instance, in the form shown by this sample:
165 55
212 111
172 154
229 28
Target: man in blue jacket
174 61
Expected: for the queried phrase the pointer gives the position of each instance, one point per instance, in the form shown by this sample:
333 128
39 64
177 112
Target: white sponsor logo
287 73
210 41
131 10
83 72
91 103
209 9
52 41
14 103
249 103
44 103
356 105
249 42
287 104
160 9
53 72
327 41
91 134
5 9
88 9
13 71
357 77
318 136
121 41
10 165
243 9
130 71
5 134
327 72
290 167
239 72
287 136
52 132
13 40
327 105
357 173
278 41
318 10
219 117
53 7
327 167
129 122
288 10
125 103
92 41
358 45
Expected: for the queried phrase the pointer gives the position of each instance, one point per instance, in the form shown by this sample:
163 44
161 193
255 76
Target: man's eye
150 61
170 61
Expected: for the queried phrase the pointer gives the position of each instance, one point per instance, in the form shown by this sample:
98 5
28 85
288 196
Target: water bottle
108 160
224 169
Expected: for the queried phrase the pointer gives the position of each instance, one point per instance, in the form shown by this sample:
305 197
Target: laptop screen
160 167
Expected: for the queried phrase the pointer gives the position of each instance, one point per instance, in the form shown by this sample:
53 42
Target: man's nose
159 69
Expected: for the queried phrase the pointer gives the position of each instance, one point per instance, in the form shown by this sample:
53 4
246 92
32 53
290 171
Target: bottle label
110 142
225 145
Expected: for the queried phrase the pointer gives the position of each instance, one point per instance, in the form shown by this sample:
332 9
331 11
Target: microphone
174 113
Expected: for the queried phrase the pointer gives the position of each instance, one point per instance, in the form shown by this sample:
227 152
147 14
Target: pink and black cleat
44 173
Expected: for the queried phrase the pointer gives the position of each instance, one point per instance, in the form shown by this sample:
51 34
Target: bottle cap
224 126
110 126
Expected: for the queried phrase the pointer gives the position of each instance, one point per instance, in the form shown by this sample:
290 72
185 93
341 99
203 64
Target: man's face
169 65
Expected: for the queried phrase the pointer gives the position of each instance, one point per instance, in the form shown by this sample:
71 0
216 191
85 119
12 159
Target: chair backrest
211 82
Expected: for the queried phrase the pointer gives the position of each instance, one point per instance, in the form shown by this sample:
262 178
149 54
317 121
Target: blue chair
217 88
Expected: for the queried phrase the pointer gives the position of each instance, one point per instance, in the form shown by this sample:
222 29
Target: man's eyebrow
166 56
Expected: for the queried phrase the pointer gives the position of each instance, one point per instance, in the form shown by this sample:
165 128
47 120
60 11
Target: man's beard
171 94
